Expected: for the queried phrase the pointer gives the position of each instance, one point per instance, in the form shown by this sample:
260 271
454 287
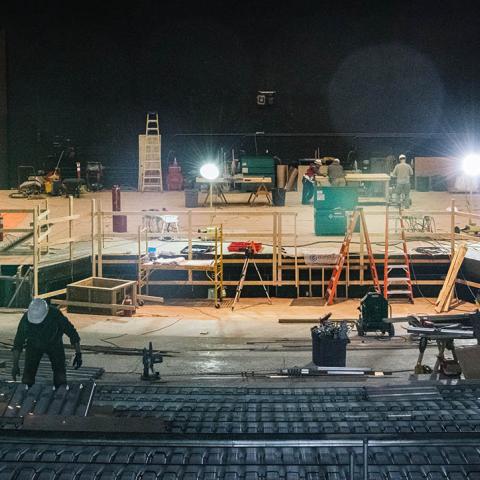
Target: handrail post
70 227
92 233
36 251
452 228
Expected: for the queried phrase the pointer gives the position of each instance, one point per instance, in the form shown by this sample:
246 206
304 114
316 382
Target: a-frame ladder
345 248
397 280
150 164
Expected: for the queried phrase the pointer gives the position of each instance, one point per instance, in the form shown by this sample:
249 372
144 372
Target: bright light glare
209 171
471 164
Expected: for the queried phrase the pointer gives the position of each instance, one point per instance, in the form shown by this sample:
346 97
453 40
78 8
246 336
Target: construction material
249 257
344 251
291 180
100 296
150 157
445 296
282 171
398 286
332 371
373 310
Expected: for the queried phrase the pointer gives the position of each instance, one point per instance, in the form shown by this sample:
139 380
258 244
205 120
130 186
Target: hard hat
317 161
402 156
337 160
37 311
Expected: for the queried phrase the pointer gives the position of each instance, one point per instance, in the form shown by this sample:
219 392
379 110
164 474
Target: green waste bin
329 198
332 222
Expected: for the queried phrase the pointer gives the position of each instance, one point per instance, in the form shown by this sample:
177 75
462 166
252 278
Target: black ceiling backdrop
91 71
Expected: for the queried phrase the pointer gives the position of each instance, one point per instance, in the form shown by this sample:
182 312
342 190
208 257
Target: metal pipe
365 460
90 399
352 466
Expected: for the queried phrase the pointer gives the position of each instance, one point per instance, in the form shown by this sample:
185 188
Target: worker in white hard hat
308 181
402 172
40 332
336 175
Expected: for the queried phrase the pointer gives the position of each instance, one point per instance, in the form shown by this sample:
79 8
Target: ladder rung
398 280
399 292
397 266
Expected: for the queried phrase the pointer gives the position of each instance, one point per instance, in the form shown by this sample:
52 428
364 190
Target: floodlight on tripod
210 172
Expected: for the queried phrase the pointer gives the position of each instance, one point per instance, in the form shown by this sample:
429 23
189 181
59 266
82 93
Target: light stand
210 172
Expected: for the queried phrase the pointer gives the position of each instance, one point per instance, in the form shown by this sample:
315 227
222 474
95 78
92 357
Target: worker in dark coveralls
308 181
40 332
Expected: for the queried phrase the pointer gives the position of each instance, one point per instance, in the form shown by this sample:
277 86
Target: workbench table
363 178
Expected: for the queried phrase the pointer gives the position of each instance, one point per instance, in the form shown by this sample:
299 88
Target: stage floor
243 222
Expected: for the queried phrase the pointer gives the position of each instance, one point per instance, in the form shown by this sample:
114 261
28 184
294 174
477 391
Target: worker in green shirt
402 172
40 332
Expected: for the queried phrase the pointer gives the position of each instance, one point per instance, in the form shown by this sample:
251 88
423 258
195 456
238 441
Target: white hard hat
37 311
337 160
317 161
402 156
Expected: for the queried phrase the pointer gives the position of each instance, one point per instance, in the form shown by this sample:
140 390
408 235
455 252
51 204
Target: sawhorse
261 190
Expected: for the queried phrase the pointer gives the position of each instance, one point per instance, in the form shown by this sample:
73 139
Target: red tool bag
242 246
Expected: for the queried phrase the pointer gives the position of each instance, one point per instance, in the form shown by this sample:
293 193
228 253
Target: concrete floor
201 339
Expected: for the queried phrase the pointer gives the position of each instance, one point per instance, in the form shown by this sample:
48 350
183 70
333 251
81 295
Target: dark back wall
90 73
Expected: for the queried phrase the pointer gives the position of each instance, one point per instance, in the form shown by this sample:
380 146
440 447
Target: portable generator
373 309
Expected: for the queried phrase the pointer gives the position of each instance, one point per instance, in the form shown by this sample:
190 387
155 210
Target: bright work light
471 164
209 171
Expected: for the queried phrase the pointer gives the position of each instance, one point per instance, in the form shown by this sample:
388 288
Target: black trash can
278 197
191 198
328 351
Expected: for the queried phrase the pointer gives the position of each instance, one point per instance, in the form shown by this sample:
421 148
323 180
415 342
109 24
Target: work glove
15 371
77 361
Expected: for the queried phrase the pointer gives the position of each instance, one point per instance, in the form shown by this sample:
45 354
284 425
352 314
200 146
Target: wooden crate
100 296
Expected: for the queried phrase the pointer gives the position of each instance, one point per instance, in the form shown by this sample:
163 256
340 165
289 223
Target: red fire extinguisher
119 221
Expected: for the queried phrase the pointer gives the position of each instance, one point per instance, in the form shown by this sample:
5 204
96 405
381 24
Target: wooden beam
53 293
53 221
70 303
